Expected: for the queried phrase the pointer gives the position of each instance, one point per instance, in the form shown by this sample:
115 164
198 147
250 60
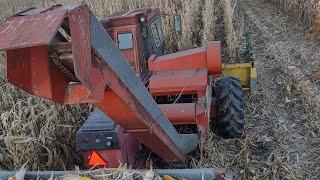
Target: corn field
283 125
199 18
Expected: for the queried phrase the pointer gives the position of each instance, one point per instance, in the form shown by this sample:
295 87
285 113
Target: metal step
188 174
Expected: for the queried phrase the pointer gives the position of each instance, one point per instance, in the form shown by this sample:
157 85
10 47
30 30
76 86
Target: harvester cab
65 54
138 34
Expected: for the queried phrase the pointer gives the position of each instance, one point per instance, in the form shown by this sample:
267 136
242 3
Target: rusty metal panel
33 30
214 62
79 21
29 70
18 68
31 11
85 66
178 82
184 113
184 60
208 56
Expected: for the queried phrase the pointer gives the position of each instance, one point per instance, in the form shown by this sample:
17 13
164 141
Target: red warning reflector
96 160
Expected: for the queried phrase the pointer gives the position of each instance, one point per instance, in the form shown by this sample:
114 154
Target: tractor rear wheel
229 101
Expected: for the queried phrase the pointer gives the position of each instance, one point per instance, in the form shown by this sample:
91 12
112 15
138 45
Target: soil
282 139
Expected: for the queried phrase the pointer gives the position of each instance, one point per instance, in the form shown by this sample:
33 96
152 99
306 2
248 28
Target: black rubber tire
229 100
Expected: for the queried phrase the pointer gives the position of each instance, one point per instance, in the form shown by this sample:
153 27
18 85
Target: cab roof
150 12
129 17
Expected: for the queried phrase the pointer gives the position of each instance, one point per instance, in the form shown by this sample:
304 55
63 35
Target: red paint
31 70
208 57
178 82
214 63
186 113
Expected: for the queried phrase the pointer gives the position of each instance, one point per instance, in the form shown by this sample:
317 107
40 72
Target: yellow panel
245 72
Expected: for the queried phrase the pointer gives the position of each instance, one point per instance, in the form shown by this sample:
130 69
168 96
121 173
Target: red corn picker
65 54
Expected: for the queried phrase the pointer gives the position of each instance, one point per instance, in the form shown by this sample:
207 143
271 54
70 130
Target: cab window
157 32
125 41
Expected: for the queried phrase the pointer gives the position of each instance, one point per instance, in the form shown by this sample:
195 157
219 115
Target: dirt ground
282 139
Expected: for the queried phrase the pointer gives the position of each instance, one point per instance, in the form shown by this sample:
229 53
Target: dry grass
191 23
2 66
232 38
117 174
307 11
210 18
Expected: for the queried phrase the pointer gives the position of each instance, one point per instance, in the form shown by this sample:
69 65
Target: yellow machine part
246 72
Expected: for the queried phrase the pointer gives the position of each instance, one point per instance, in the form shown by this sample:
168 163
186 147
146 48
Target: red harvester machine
67 55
